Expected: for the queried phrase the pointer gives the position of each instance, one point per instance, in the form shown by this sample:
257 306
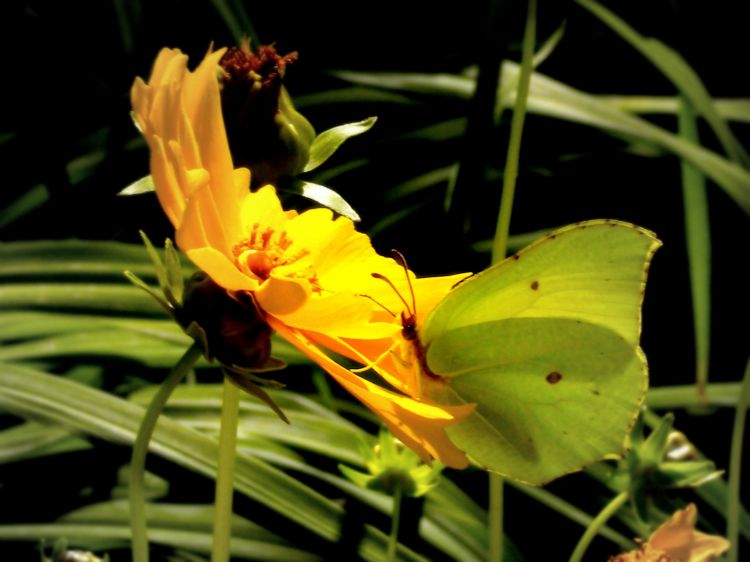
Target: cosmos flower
309 274
676 540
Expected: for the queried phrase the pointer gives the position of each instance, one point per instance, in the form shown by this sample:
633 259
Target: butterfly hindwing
546 345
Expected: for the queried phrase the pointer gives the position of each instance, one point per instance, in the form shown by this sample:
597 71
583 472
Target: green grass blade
676 69
28 392
734 507
554 99
698 238
26 203
79 296
724 394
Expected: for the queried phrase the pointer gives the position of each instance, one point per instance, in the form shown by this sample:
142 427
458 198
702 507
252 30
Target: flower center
266 249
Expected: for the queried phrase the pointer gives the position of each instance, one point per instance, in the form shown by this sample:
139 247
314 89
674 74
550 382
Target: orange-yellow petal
221 270
419 425
281 296
341 314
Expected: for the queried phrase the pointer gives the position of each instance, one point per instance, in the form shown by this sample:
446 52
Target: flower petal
341 314
221 270
419 425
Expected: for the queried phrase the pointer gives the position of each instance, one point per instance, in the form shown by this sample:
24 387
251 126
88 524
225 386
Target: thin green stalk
516 131
500 242
593 529
395 522
734 508
698 239
496 517
230 408
140 449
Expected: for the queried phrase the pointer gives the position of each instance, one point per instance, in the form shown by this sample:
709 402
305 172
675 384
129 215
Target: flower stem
496 517
734 508
230 408
136 493
395 522
500 243
593 529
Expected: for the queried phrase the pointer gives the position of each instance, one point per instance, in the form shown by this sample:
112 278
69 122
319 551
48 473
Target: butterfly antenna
401 260
380 304
392 286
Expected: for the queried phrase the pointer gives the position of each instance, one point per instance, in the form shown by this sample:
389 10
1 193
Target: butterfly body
545 344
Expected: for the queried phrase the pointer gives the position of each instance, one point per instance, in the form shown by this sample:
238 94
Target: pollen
266 249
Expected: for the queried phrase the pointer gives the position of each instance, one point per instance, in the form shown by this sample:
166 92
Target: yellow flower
307 272
676 540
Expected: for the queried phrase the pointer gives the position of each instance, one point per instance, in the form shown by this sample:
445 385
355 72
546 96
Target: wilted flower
676 540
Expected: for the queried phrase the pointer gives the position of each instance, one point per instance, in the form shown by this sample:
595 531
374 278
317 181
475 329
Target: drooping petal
221 270
419 425
342 314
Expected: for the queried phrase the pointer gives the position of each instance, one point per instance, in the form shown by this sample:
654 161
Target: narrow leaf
323 195
327 142
138 187
698 238
678 71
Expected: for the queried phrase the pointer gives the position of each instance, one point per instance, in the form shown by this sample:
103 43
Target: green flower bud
390 466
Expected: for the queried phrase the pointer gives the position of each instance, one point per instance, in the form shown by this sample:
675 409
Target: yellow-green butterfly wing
546 344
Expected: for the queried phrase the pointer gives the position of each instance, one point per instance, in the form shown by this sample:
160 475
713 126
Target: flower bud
265 132
235 331
391 466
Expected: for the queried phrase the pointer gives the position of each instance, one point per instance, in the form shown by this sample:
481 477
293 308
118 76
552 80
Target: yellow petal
168 189
221 270
264 208
281 296
419 425
342 315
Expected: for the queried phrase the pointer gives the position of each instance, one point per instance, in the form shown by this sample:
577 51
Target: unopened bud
266 133
235 331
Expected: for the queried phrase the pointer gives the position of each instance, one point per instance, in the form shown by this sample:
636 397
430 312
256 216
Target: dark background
68 66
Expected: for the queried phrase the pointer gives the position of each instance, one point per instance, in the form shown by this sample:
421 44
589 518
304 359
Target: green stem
395 522
500 242
516 129
593 529
140 449
496 518
735 466
230 409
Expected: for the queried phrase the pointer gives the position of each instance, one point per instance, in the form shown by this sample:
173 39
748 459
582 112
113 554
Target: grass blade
698 238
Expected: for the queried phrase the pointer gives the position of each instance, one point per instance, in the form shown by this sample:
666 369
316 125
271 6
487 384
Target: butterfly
546 344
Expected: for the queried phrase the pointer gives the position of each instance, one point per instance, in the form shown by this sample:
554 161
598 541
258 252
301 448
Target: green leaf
27 392
698 237
328 142
31 439
77 258
323 195
673 66
25 204
78 297
554 99
138 187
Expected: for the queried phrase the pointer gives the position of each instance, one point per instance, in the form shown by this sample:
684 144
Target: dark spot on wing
516 257
595 392
554 377
534 285
552 236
